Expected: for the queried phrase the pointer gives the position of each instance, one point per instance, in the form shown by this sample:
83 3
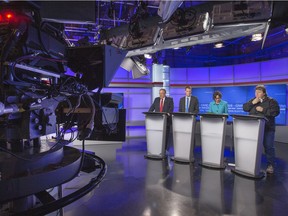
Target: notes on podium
248 144
213 133
184 125
156 123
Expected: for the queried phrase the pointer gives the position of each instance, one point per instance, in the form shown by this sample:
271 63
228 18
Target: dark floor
137 186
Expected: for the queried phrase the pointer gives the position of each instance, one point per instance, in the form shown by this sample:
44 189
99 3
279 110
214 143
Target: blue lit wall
243 73
236 96
137 98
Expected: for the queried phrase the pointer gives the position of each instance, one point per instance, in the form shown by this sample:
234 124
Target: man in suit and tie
189 103
164 104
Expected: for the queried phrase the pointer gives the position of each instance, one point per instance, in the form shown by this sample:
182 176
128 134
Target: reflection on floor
137 186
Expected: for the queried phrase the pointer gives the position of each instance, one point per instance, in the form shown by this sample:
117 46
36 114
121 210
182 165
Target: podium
183 136
213 133
156 123
248 144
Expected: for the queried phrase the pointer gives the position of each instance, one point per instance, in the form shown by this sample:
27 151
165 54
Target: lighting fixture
256 37
219 45
147 56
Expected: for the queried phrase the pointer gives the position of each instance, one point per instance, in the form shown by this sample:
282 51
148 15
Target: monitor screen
97 64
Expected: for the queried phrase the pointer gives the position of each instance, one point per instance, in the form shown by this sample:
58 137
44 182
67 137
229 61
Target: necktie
187 104
161 105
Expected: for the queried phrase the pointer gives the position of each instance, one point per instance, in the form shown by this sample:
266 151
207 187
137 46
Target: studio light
138 33
140 68
186 23
136 65
206 22
147 56
256 37
127 64
219 45
241 11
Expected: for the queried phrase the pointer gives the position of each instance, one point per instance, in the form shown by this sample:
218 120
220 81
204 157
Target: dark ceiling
114 14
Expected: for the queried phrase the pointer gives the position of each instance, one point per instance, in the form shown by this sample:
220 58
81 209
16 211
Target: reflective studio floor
137 186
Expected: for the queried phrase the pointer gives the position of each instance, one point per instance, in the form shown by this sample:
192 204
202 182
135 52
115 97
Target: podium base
182 161
247 175
212 166
155 157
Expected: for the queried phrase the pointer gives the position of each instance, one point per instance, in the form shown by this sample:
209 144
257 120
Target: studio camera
50 90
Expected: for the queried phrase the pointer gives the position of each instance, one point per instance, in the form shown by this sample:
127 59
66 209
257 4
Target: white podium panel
183 136
248 144
213 133
155 134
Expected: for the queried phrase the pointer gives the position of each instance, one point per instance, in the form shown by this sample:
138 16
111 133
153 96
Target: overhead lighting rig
210 23
136 65
241 11
138 33
184 23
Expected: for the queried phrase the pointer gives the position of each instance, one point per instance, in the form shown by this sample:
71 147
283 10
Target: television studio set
143 108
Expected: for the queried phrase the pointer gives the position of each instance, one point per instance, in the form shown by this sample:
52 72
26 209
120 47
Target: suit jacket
168 105
193 106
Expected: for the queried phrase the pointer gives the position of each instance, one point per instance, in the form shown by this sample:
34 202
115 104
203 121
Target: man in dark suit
189 103
162 103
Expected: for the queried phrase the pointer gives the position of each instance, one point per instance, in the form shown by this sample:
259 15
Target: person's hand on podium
259 109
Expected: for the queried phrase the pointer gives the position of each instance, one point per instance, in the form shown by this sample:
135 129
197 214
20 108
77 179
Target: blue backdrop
236 96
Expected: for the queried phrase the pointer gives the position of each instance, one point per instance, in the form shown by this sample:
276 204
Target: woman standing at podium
263 105
218 106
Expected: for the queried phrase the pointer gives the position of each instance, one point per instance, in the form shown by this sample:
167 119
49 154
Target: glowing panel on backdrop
236 96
